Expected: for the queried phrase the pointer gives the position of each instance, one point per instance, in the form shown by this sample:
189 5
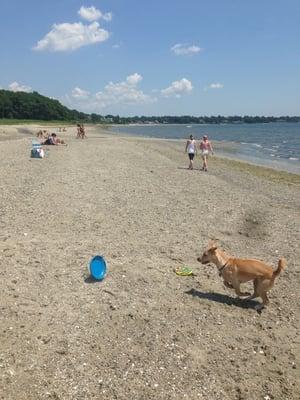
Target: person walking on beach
80 132
205 148
191 149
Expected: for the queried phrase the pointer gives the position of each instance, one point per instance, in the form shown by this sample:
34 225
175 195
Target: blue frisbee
98 268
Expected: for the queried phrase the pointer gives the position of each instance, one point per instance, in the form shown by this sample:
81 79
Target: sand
143 332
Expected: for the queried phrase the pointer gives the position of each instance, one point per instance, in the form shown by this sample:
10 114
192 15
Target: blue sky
167 57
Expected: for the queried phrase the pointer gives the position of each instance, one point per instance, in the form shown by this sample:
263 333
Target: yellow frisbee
183 271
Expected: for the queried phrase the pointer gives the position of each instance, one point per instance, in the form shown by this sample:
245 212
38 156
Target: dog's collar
223 266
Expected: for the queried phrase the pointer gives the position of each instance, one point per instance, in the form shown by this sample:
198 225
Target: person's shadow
194 169
223 298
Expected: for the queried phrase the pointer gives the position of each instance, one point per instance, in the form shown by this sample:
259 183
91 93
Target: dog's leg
255 293
228 285
265 298
262 287
263 295
236 285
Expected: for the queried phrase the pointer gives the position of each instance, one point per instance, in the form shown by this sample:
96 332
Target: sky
167 57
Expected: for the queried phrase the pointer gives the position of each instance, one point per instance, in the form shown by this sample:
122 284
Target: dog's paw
228 285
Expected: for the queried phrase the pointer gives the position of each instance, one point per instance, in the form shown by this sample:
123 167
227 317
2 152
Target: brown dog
235 271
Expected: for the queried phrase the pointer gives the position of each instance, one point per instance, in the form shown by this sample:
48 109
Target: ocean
276 145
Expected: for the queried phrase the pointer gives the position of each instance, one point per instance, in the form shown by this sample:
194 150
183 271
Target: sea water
276 145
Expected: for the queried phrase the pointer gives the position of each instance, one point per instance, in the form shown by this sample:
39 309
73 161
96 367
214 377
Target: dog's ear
213 249
211 243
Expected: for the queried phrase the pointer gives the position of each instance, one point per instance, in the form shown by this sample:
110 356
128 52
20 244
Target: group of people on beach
54 140
50 139
205 148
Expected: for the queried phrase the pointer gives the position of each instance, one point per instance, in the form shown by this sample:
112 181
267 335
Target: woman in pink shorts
205 148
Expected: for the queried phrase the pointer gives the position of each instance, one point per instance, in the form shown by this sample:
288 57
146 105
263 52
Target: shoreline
17 132
227 145
274 172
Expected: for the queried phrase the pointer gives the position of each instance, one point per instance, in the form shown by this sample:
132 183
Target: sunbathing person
53 140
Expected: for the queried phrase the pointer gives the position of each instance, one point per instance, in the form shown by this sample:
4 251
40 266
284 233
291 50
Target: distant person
191 149
205 148
53 140
42 134
80 132
83 135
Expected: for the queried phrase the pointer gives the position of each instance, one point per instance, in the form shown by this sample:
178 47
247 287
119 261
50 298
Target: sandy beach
143 332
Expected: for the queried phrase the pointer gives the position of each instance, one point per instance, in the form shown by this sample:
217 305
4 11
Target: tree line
34 106
188 119
21 105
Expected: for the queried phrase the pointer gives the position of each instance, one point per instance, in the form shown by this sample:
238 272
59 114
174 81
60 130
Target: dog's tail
281 267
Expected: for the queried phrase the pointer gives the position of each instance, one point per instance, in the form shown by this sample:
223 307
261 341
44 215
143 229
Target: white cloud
125 92
17 87
66 36
134 79
78 93
120 93
178 88
184 49
216 85
89 13
93 14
